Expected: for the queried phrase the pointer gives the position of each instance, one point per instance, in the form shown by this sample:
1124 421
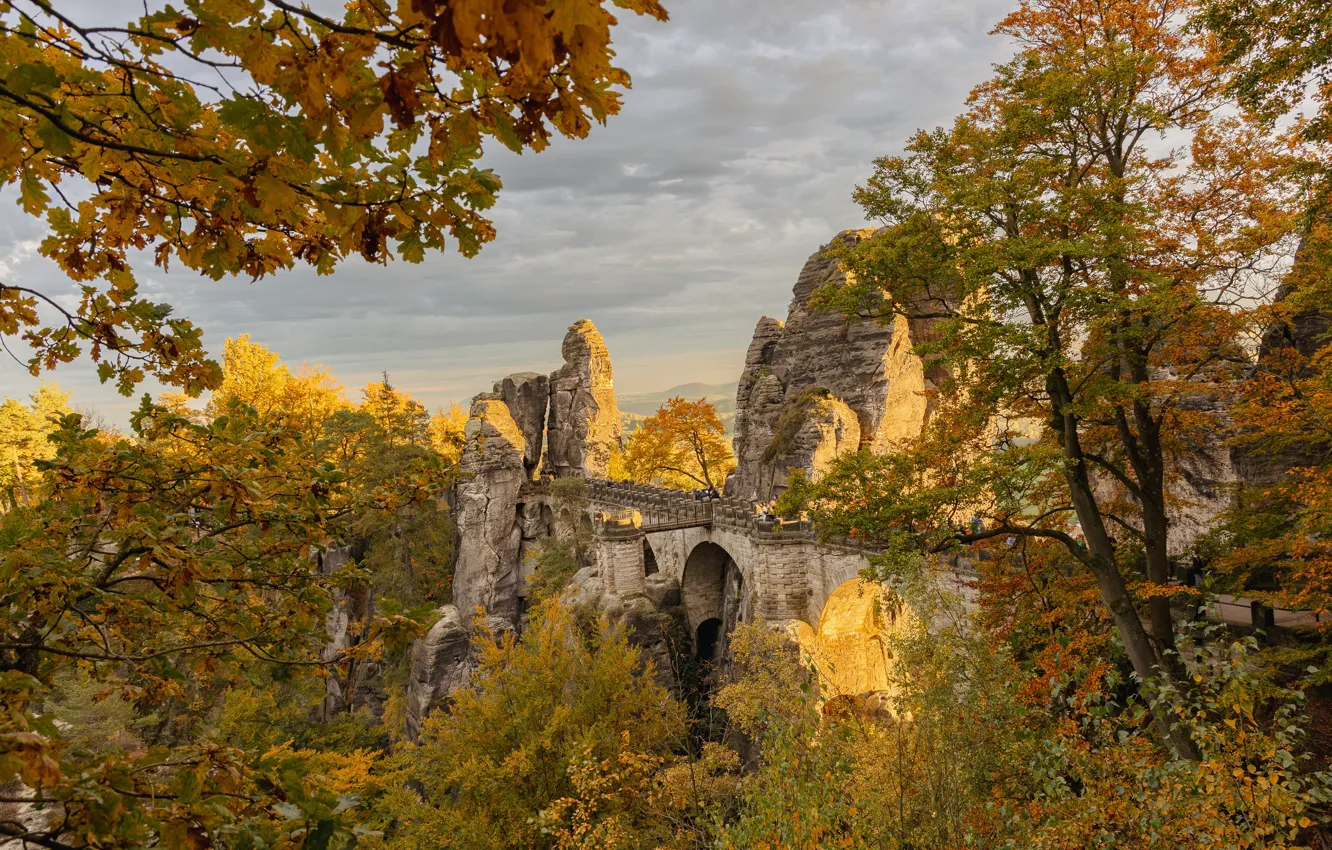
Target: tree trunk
1110 581
1158 572
1115 597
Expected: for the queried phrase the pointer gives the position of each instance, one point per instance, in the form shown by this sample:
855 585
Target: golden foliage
323 137
682 445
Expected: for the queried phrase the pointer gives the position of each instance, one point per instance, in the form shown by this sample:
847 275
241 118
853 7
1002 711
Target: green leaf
501 127
30 76
54 139
318 838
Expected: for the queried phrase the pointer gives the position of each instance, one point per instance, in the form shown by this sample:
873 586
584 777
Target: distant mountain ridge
722 397
634 407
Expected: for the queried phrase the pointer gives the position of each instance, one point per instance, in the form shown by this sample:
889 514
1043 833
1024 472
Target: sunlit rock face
490 534
851 648
527 394
867 379
583 429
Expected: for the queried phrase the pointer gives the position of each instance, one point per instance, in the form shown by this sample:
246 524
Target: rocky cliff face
816 385
584 425
527 394
499 522
491 522
441 664
489 532
1212 467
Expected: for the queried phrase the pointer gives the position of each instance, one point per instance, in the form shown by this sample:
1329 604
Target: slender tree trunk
1109 580
1158 572
1149 457
1115 596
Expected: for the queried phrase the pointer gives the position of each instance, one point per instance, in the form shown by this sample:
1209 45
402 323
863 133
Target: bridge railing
661 506
664 506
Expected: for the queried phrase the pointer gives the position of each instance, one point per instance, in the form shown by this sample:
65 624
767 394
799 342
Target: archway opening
711 590
707 638
649 559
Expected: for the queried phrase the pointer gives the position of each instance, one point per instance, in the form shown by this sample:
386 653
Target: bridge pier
620 537
782 587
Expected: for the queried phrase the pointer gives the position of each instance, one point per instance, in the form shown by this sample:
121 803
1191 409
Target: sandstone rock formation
850 649
490 536
867 374
583 428
527 395
441 664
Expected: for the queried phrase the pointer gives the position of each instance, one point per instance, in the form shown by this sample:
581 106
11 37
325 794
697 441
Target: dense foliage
1083 288
148 577
1117 259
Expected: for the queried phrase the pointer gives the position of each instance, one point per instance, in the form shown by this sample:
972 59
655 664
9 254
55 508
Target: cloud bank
674 228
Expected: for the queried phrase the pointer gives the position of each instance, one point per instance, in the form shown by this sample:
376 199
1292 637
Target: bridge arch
712 589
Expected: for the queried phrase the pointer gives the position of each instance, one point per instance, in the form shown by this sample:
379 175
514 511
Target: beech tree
23 441
1283 52
682 445
1084 286
165 565
242 138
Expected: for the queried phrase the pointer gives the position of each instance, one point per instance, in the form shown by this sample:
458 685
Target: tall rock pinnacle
584 424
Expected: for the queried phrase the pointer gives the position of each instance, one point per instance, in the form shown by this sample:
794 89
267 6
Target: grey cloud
674 227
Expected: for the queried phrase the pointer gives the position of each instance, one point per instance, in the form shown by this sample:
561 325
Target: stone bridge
731 566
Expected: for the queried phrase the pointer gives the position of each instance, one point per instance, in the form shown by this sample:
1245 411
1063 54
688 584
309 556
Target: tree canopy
1084 284
243 138
682 445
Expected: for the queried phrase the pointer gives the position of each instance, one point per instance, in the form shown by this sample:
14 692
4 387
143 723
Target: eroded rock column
490 535
815 386
527 394
583 428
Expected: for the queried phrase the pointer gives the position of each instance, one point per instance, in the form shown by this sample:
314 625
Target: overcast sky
674 228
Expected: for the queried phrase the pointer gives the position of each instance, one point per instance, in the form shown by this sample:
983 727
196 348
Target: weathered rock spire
583 428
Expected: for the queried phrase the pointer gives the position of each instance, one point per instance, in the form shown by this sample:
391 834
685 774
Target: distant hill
722 397
634 407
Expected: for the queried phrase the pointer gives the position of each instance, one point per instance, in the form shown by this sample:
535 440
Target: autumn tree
24 433
304 399
682 445
171 561
446 432
1283 52
555 740
1272 545
386 446
242 138
1082 285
